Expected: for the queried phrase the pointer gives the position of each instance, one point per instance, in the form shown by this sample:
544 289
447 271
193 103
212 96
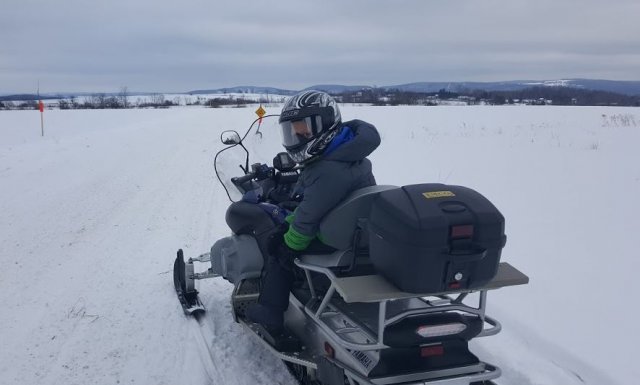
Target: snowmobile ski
183 282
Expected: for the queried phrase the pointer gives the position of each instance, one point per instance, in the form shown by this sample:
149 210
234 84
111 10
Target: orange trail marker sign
260 112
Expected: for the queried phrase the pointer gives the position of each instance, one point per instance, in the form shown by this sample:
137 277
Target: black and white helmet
308 123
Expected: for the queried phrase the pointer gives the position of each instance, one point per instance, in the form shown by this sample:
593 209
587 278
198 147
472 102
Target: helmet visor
297 133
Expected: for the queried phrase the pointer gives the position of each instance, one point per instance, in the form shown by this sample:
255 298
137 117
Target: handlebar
274 186
239 180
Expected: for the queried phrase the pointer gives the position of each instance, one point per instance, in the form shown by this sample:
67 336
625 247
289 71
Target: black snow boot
270 319
274 297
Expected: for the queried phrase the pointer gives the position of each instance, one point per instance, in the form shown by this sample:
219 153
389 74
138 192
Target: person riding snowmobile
333 156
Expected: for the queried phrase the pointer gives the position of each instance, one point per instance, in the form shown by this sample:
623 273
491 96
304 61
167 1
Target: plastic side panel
236 257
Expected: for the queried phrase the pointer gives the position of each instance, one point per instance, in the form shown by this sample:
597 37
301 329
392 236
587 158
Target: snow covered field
92 214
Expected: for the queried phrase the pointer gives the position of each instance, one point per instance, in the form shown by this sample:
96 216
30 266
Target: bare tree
157 99
64 104
123 96
97 100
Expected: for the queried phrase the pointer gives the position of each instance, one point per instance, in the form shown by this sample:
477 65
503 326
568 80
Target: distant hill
337 88
428 87
244 90
621 87
330 88
630 88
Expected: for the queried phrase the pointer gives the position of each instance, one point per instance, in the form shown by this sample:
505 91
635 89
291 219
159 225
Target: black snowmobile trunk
433 238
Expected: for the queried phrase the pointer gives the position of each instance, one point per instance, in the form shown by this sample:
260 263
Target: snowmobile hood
365 140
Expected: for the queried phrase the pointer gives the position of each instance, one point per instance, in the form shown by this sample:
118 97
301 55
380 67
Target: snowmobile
394 294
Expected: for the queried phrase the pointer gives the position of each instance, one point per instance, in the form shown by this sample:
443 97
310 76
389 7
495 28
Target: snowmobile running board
299 358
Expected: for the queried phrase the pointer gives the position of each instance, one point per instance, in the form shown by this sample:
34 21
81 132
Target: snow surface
93 213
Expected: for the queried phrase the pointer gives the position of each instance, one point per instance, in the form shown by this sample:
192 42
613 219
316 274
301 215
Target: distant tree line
233 102
564 96
92 102
18 105
123 100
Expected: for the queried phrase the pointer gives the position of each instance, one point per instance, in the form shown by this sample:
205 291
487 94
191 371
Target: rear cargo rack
376 289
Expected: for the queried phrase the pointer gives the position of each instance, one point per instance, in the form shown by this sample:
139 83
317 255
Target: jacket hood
366 139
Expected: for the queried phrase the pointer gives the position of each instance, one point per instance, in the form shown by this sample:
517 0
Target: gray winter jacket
330 179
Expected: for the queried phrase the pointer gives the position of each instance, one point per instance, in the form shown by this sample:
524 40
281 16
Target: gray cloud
177 46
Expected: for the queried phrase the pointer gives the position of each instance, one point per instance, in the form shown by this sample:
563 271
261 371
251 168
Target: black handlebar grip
243 179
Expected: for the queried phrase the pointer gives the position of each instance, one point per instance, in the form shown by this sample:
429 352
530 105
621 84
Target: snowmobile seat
339 226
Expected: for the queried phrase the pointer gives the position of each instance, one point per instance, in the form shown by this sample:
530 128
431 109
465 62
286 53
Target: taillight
461 231
432 350
440 330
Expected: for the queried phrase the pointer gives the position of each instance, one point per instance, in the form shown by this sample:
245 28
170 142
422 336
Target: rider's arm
325 185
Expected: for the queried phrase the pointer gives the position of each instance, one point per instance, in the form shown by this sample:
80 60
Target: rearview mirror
230 137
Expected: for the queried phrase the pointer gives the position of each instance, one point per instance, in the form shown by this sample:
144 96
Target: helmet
308 123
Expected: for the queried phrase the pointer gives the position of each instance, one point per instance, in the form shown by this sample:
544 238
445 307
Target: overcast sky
182 45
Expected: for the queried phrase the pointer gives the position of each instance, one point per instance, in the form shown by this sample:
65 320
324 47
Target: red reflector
462 231
430 351
328 350
454 285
